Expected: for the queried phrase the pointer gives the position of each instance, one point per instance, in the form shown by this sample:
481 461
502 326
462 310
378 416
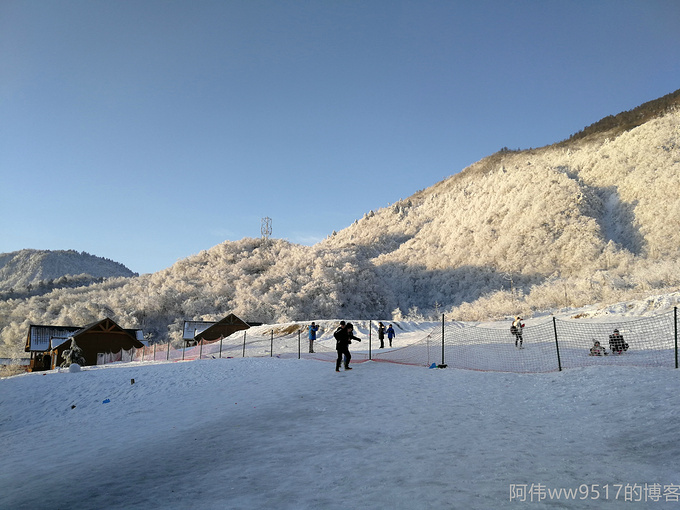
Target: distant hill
26 271
594 219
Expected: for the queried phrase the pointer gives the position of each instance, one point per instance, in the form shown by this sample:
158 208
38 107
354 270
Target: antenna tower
266 228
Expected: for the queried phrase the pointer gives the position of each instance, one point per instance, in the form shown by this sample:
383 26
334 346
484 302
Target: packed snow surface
256 433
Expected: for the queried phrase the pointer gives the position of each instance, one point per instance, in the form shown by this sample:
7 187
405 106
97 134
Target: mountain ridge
26 270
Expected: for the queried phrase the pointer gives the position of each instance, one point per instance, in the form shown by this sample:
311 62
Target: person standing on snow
390 334
342 325
381 334
516 329
344 336
313 328
616 342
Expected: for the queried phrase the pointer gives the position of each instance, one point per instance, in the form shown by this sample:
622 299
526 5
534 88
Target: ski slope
256 433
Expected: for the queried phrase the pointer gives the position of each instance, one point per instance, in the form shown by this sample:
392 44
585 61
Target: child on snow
597 350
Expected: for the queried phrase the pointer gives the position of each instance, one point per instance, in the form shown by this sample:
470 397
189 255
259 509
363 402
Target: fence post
271 351
168 356
244 344
299 342
184 348
370 336
442 339
200 350
675 321
154 352
557 345
221 340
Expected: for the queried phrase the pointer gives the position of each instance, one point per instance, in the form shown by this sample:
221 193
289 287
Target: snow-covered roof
193 328
40 337
56 341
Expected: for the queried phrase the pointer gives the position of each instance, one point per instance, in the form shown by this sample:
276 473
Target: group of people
344 334
382 332
616 343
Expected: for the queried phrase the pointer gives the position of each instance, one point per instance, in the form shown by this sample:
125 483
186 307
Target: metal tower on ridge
266 228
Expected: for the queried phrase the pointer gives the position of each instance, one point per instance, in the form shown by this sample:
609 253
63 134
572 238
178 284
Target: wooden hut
47 343
195 331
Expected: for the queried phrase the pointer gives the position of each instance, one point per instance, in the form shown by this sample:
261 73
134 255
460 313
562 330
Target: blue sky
146 131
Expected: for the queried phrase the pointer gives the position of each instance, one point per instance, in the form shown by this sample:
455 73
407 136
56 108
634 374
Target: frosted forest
593 219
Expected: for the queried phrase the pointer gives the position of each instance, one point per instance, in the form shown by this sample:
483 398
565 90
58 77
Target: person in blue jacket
390 334
313 328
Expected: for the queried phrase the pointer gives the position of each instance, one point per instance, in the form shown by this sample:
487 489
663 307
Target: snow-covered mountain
599 212
33 268
593 219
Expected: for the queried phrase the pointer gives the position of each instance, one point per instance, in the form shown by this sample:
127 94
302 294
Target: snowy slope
260 433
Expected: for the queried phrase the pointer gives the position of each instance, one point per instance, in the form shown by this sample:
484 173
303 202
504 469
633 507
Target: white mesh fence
552 345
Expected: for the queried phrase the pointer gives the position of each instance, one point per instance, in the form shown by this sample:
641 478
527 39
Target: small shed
195 331
47 343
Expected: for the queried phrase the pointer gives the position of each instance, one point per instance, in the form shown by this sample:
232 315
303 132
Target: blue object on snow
106 401
433 365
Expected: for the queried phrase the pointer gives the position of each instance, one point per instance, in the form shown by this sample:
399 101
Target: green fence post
557 345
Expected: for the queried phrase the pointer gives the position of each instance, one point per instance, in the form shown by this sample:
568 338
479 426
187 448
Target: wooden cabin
195 331
47 343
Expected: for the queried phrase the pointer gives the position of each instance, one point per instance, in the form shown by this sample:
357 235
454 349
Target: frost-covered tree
73 355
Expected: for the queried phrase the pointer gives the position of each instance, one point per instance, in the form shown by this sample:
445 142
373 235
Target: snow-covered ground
256 433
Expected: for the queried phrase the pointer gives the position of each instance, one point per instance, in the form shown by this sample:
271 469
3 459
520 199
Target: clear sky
146 131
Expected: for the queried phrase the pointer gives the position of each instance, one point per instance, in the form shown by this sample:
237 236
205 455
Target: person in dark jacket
516 331
344 337
342 325
381 334
616 342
